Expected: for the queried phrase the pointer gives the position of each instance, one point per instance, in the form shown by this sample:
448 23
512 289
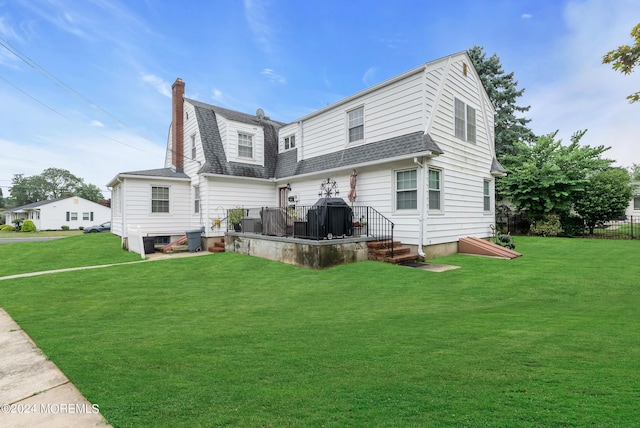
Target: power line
31 63
66 117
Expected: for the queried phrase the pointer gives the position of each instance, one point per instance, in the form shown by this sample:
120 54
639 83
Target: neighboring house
422 144
634 205
74 211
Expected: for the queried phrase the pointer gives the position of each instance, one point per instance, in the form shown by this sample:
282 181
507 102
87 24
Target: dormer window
289 142
356 124
245 145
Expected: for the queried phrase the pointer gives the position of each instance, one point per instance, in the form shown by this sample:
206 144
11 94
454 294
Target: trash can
194 242
149 244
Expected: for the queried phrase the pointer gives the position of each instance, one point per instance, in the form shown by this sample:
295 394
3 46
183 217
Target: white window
636 203
487 195
407 190
159 199
86 216
74 216
435 189
196 199
290 142
465 121
356 124
245 145
193 146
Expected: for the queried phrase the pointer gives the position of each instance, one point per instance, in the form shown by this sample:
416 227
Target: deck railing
312 222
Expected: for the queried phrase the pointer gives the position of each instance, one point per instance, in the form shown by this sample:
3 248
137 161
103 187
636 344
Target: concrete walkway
34 393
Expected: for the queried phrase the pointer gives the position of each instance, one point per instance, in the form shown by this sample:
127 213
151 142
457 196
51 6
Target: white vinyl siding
159 199
245 145
465 121
193 147
435 189
356 124
407 190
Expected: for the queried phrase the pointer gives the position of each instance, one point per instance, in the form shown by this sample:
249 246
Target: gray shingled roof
496 167
161 172
35 204
405 145
214 154
286 164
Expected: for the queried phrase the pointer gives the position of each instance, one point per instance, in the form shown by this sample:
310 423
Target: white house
73 211
634 205
421 143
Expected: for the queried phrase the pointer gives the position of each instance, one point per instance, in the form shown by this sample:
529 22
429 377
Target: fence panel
627 227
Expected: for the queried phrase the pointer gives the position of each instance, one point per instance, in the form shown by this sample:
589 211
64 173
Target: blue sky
89 88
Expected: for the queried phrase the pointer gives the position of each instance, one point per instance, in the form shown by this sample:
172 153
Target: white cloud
273 76
256 14
97 123
526 16
158 83
369 76
585 94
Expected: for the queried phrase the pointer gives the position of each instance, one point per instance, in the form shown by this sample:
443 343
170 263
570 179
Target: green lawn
72 250
548 339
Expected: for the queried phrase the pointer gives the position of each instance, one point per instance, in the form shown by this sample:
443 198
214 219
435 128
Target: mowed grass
71 250
548 339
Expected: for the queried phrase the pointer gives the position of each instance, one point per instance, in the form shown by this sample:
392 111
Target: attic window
245 145
464 68
289 142
186 115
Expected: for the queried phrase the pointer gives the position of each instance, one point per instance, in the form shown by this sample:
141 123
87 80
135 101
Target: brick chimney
177 128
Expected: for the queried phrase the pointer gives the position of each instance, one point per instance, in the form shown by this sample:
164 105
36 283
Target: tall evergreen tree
503 90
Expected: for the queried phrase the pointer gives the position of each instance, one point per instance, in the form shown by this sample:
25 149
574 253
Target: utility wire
31 63
66 117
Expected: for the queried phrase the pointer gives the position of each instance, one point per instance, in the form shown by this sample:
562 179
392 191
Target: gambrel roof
279 165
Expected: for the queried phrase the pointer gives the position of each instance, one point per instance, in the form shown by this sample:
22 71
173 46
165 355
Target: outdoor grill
330 218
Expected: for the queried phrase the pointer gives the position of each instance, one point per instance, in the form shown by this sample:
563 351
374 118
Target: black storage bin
149 244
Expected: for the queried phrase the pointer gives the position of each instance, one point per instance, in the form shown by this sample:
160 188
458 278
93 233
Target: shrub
548 226
65 227
572 225
28 226
7 227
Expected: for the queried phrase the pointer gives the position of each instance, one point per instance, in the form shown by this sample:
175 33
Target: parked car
104 227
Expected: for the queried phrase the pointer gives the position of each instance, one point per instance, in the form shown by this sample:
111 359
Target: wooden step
217 247
397 251
383 244
402 258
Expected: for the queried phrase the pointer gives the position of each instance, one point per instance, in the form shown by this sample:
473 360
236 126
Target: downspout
420 206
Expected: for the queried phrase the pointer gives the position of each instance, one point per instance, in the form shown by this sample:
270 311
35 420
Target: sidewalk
33 391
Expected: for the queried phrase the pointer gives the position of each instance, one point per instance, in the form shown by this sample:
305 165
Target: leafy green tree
635 172
503 91
52 183
626 58
2 201
545 177
26 190
605 197
90 192
59 182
